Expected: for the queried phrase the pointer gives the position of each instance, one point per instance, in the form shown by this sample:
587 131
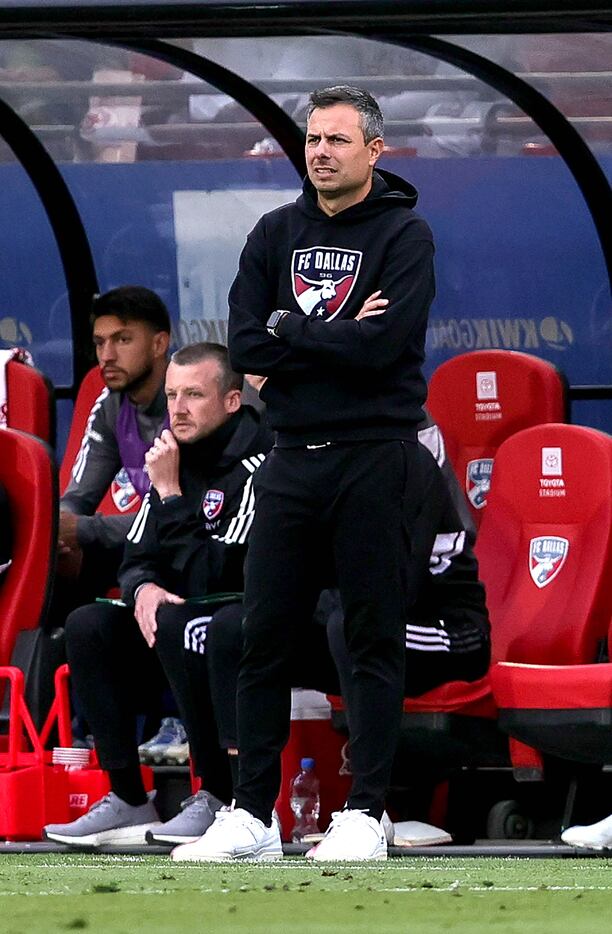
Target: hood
387 188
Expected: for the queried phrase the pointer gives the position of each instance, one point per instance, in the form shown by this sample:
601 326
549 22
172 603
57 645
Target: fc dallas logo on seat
323 278
547 554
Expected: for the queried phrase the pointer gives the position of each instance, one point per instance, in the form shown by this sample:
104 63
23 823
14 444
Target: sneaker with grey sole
109 821
234 835
195 817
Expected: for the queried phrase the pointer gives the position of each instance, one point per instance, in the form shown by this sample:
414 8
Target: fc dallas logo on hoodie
323 278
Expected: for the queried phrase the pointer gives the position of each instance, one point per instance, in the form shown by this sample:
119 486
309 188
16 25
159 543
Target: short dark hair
372 121
132 303
206 350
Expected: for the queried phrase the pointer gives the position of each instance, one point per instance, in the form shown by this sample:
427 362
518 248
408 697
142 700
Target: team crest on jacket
478 481
323 278
123 494
213 503
547 555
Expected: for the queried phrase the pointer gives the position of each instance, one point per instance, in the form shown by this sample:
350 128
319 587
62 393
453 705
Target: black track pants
311 667
365 514
116 677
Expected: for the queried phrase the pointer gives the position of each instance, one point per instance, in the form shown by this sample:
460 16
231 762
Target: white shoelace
339 818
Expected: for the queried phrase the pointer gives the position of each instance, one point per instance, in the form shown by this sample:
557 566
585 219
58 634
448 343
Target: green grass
50 893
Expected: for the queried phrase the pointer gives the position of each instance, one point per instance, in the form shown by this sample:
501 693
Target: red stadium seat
89 392
28 475
30 401
545 555
545 551
481 398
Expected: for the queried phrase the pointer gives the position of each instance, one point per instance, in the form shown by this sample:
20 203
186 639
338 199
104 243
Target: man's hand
69 552
150 598
69 563
67 533
373 305
255 382
162 463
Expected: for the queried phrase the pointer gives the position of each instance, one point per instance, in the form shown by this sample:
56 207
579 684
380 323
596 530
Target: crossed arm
371 340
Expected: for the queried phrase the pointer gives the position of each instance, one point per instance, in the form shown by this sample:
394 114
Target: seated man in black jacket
188 540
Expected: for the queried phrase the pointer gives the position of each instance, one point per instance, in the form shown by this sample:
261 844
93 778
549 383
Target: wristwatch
274 320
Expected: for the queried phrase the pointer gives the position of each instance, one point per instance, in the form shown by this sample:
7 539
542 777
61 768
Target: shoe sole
589 846
171 840
316 855
227 858
348 859
125 836
161 754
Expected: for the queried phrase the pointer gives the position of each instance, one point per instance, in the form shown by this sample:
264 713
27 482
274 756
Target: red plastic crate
33 791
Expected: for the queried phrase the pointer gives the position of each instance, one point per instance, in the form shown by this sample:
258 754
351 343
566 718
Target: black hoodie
331 378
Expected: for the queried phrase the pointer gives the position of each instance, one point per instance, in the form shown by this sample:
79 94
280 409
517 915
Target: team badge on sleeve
123 494
478 481
547 556
212 503
323 278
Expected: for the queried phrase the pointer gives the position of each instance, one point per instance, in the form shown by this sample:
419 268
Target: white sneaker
235 834
387 825
594 836
352 835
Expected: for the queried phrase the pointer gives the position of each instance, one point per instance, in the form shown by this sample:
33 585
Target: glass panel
96 103
574 71
431 109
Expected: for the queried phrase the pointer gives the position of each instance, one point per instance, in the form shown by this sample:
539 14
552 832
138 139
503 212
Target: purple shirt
131 446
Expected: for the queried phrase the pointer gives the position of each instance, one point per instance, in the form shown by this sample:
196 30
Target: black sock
127 784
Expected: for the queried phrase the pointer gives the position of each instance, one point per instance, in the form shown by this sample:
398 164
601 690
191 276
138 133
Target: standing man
131 335
330 304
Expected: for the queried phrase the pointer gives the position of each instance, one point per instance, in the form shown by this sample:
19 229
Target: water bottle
305 801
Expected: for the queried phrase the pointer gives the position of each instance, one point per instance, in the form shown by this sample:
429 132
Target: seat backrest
28 474
30 401
481 398
121 498
545 546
